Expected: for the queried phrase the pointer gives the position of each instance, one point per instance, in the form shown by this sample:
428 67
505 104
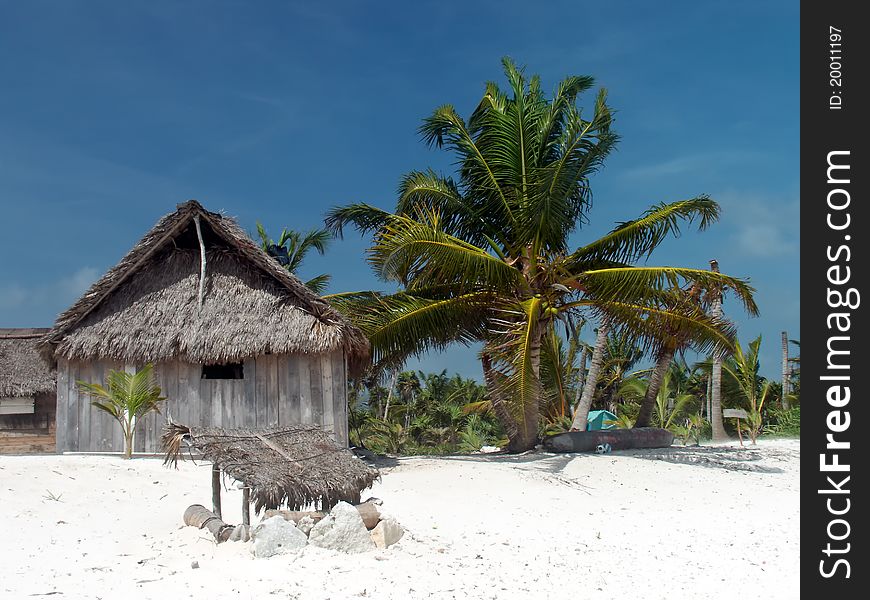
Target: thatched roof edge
23 371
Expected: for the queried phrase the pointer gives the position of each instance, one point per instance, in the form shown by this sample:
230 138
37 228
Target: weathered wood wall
30 433
276 390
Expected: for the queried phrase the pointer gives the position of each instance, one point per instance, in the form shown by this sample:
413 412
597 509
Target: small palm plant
755 418
127 397
741 370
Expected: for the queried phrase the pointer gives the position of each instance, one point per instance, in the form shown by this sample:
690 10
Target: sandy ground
711 522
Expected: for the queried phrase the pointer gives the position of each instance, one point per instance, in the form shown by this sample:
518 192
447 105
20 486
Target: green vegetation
428 413
784 422
437 414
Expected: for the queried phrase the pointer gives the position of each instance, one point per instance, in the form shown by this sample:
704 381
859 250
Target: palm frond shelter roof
296 466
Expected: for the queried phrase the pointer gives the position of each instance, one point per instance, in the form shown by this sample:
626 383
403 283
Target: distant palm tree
716 422
786 372
127 397
292 247
408 386
668 341
486 258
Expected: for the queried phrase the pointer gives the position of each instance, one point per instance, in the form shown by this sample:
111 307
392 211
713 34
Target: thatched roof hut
23 372
146 309
235 339
27 394
295 466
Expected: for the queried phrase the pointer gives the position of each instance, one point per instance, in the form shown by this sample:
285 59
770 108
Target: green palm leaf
633 240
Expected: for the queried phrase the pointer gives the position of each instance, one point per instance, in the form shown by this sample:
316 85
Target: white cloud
65 290
762 226
77 284
764 240
694 163
12 296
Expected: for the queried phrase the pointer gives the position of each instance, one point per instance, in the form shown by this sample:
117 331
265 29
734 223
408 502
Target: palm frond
637 283
633 240
404 324
419 253
364 217
318 284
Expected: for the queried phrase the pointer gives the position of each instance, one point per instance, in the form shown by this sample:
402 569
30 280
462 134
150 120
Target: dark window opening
228 371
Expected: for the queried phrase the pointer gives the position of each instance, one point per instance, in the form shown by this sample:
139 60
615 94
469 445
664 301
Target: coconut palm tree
127 397
291 249
485 258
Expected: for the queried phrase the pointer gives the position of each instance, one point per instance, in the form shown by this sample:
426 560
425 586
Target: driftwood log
619 439
369 512
199 516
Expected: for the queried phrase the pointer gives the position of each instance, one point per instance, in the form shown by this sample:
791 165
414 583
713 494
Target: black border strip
834 263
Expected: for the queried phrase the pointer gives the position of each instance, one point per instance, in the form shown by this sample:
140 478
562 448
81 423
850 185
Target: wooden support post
216 490
246 506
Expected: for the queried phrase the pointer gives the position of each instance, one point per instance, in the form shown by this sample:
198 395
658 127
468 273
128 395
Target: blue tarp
597 418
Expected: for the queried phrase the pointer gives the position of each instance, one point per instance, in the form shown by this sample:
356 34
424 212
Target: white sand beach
711 522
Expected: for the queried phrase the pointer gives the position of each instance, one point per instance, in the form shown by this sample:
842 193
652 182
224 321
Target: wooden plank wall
276 390
30 433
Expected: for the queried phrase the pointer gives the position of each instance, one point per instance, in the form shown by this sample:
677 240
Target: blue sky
111 113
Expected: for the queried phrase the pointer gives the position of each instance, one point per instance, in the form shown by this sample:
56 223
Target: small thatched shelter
294 466
27 394
236 340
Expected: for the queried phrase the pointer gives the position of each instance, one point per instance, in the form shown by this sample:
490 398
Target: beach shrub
784 423
692 429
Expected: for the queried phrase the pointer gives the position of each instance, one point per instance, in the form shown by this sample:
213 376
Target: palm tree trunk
719 433
708 397
581 377
718 425
390 394
581 412
128 440
785 372
666 356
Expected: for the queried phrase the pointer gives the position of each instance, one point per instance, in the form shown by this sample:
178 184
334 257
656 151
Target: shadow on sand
717 457
751 459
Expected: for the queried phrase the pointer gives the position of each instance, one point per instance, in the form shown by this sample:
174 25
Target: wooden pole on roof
201 259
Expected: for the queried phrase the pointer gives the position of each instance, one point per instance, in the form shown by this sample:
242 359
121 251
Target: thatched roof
146 308
295 466
23 372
